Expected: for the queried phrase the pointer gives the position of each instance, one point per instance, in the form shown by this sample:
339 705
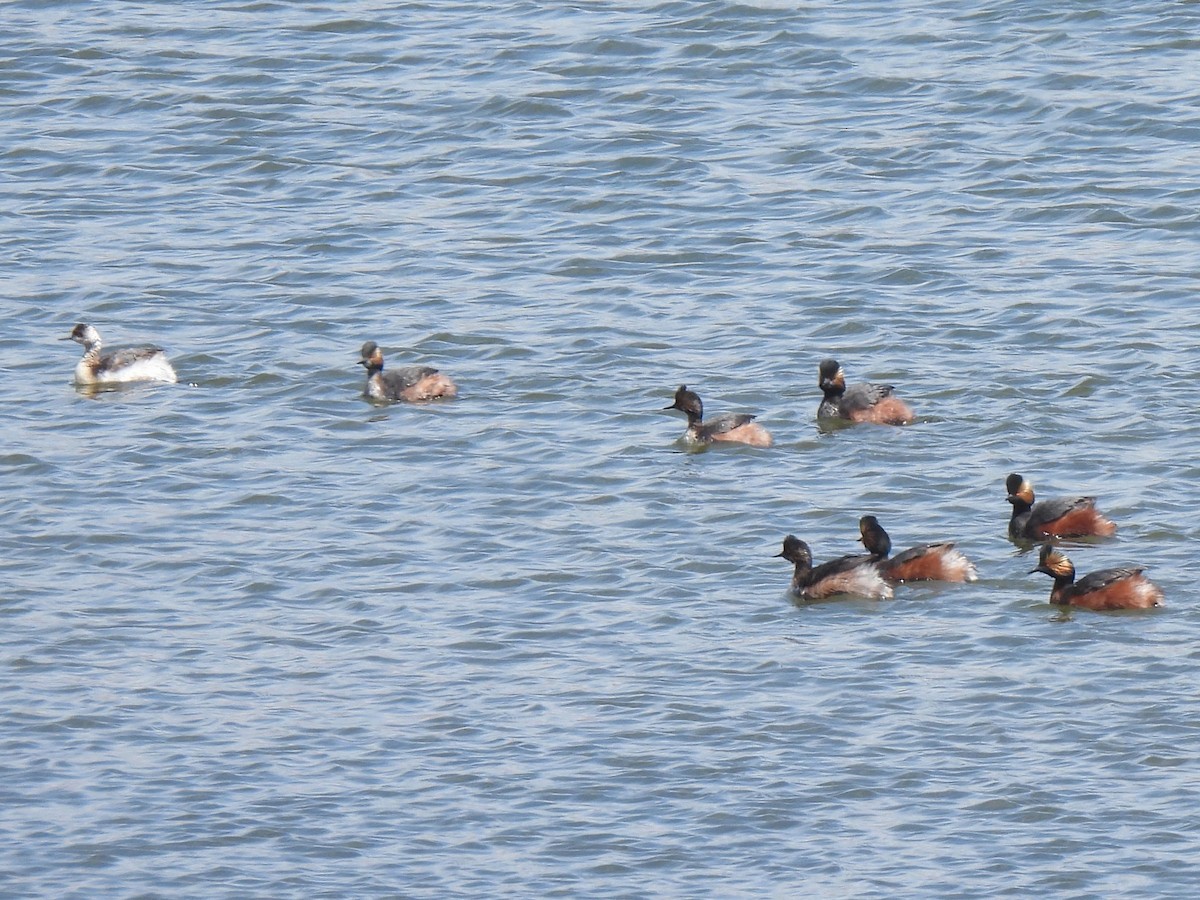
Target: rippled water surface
262 638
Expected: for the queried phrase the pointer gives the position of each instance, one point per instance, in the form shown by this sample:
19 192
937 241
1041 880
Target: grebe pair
135 364
1075 517
874 573
857 403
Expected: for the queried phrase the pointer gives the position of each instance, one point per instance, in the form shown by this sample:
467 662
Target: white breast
126 366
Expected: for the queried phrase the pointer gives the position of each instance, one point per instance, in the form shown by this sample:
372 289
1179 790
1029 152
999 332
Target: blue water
261 638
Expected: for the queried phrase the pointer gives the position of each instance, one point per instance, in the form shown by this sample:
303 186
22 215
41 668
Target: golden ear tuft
1058 564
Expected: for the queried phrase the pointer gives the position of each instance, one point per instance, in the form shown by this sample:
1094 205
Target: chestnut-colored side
750 433
1133 592
1083 522
938 562
888 411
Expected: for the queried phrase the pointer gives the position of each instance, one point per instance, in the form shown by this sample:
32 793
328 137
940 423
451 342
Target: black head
830 377
873 537
688 402
795 551
1020 492
1054 564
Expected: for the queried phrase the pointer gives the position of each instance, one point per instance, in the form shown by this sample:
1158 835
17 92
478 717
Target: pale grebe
121 366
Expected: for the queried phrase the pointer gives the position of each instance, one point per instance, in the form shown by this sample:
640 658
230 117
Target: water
260 638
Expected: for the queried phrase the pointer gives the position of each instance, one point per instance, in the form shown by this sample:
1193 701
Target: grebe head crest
1053 563
830 375
688 402
1019 490
83 334
795 551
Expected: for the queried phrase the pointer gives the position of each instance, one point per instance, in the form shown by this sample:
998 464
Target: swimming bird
411 383
121 366
844 575
1123 588
732 427
924 562
1062 517
859 402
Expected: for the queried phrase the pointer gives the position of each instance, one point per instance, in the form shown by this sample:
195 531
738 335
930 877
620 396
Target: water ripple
263 637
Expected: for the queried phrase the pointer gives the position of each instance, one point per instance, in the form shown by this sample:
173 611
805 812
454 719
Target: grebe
734 427
1063 517
924 562
1124 588
845 575
122 366
859 402
411 383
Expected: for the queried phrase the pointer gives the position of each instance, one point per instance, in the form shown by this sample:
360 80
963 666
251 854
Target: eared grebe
1106 589
412 383
859 402
845 575
122 366
924 562
1063 517
736 427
